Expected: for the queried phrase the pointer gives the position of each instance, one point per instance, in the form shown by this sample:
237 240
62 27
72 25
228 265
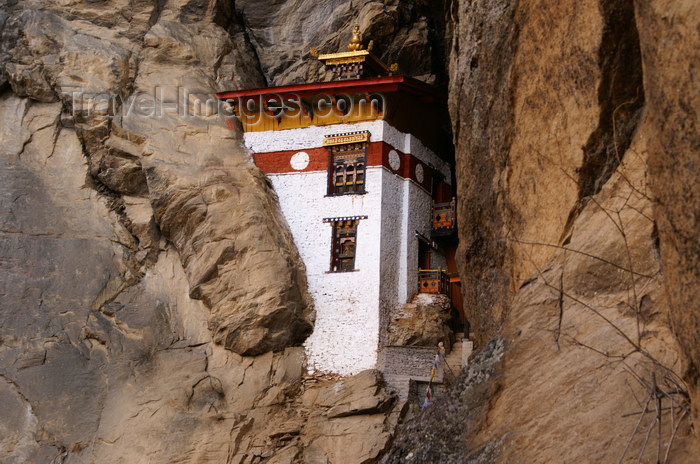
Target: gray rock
29 80
282 33
102 351
422 322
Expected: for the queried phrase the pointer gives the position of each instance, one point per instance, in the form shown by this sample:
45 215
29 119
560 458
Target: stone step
456 352
456 348
453 366
456 359
455 362
467 349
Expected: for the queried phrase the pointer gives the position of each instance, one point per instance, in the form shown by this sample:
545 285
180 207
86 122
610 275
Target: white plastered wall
405 210
352 307
346 332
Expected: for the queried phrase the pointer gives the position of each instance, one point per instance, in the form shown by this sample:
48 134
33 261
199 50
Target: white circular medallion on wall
394 160
419 173
299 161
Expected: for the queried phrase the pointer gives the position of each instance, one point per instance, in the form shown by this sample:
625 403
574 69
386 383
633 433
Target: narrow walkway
453 360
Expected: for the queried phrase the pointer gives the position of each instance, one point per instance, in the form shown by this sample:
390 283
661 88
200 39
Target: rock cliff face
115 223
152 302
409 33
574 136
422 322
671 85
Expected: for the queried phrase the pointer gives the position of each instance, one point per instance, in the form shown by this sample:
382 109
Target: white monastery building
357 168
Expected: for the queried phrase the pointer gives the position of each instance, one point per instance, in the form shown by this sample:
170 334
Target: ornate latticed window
347 160
344 243
348 169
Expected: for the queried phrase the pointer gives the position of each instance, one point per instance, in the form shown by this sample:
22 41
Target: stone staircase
458 357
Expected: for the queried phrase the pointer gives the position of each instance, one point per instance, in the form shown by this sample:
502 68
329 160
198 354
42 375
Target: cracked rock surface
152 302
578 223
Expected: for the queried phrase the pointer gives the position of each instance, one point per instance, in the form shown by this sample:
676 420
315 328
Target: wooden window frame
347 178
343 229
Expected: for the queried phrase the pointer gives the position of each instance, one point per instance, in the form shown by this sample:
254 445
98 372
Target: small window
360 174
347 169
344 243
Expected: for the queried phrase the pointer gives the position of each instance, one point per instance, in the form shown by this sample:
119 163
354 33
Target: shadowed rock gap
620 96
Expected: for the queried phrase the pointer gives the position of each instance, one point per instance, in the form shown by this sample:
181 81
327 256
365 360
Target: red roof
371 85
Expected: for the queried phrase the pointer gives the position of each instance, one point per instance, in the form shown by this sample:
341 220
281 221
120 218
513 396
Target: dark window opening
344 242
423 255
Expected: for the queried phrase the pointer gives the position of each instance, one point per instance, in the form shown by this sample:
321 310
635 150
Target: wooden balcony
433 281
444 221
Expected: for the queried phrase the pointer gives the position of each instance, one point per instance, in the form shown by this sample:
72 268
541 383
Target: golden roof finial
356 41
356 63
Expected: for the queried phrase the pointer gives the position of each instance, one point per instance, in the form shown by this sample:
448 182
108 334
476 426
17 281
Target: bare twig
657 405
675 401
677 394
641 213
620 227
643 382
630 414
673 431
631 271
589 255
680 390
633 394
635 345
636 427
602 316
614 126
561 308
577 342
646 440
451 372
673 436
617 154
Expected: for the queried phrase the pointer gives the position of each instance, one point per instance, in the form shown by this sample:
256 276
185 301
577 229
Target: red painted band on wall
378 154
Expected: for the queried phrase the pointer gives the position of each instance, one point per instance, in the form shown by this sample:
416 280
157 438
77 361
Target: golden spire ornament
357 62
356 41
